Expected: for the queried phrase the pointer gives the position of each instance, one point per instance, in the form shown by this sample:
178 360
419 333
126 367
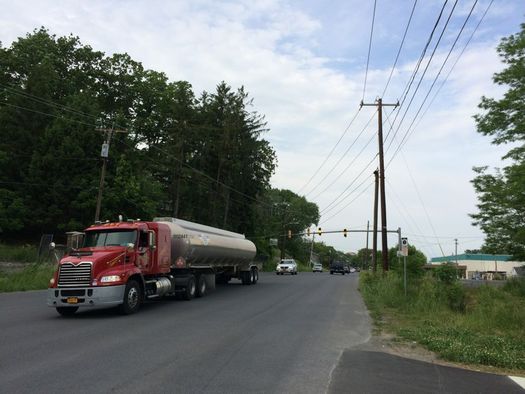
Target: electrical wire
418 64
400 48
369 48
422 75
411 129
342 157
331 151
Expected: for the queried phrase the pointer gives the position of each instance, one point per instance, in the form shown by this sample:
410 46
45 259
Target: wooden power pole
379 104
104 153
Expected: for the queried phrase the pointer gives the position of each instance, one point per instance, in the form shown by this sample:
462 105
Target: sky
305 64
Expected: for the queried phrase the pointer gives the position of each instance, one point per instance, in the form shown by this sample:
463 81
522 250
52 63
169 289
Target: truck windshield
110 238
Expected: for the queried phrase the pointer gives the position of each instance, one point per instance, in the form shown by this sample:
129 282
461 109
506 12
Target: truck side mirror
52 246
151 240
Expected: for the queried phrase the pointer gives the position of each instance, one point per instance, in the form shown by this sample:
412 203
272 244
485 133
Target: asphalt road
287 334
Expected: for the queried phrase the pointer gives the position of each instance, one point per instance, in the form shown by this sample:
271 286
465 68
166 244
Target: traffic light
319 231
289 234
308 231
345 232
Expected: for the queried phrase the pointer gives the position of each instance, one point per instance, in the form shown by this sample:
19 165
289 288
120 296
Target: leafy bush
446 273
456 297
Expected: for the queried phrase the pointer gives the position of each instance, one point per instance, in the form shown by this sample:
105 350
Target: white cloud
303 63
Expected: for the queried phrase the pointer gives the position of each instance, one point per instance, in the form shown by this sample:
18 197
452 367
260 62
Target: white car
317 267
288 266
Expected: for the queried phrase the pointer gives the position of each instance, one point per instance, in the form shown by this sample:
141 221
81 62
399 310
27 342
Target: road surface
287 334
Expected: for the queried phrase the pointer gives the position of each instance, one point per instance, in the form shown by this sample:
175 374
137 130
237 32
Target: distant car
317 268
352 270
337 267
286 266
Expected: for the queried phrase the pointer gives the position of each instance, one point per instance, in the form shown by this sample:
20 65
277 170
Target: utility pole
456 251
312 248
366 249
374 235
108 133
380 105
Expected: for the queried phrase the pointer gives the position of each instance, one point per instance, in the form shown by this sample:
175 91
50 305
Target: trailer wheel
190 289
246 277
132 297
201 286
67 311
255 275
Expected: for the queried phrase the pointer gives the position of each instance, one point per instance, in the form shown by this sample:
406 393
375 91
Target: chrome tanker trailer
123 263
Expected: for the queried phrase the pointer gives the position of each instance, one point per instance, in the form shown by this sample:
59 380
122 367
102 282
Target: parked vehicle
286 266
337 267
317 267
124 263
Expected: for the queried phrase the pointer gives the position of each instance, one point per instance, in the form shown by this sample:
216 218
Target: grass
18 253
33 277
481 326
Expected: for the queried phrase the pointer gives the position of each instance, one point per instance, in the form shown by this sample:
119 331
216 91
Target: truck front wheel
67 311
132 297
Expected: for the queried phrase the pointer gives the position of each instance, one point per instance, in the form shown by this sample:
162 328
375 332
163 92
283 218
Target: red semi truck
124 263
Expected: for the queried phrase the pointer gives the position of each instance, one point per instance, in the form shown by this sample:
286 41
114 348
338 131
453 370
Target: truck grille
71 275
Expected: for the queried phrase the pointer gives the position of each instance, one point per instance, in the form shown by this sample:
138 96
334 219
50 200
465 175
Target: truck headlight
110 278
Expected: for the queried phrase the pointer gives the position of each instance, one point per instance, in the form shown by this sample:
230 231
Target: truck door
144 251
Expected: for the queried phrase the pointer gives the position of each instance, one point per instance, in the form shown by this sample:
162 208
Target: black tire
190 290
331 272
246 278
200 291
343 273
254 275
132 298
67 310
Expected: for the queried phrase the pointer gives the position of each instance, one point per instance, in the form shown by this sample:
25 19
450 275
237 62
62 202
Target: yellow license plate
72 300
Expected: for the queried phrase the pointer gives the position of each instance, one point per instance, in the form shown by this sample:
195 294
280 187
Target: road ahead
288 334
284 334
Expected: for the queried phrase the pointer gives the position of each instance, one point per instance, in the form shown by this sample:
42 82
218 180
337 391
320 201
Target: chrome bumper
86 296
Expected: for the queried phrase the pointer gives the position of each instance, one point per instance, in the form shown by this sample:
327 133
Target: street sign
105 150
404 247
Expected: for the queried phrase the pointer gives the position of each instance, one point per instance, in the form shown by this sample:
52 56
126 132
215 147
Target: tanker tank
200 245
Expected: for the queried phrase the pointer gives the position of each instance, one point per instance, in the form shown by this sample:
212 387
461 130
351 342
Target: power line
411 129
352 201
341 158
400 47
418 64
348 187
369 48
331 151
423 74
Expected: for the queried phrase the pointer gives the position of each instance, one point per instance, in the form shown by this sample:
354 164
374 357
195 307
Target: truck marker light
51 281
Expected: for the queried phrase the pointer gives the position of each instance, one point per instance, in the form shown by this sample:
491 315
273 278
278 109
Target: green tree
501 195
415 261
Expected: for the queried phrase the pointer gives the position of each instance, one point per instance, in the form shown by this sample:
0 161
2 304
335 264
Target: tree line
201 158
501 193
